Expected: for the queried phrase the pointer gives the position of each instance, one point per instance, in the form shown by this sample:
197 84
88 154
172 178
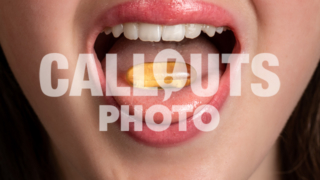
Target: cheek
294 21
28 22
33 29
287 31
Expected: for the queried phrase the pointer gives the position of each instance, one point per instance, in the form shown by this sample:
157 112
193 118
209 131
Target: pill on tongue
185 98
182 77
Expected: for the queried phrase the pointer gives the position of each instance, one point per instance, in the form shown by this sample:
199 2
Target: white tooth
204 28
150 32
130 31
117 30
193 30
211 31
173 33
107 31
219 30
225 28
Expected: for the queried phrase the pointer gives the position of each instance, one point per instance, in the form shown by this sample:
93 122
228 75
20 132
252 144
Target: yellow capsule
164 77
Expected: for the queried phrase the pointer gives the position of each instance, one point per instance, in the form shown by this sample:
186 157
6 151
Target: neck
269 168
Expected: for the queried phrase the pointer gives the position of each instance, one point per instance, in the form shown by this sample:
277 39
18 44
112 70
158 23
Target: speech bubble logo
172 77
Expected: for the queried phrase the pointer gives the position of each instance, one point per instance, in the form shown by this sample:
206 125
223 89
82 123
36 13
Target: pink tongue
185 98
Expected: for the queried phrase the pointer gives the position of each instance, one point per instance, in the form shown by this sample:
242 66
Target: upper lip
169 13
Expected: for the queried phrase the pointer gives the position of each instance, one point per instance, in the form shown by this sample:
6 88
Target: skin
244 144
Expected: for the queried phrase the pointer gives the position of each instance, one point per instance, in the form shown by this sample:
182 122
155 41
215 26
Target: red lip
168 13
174 12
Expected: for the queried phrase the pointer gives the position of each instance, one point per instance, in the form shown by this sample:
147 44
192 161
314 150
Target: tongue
184 98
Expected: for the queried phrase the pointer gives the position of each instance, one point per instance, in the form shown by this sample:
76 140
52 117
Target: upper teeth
154 32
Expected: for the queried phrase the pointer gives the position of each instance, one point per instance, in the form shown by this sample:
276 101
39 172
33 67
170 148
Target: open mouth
134 32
